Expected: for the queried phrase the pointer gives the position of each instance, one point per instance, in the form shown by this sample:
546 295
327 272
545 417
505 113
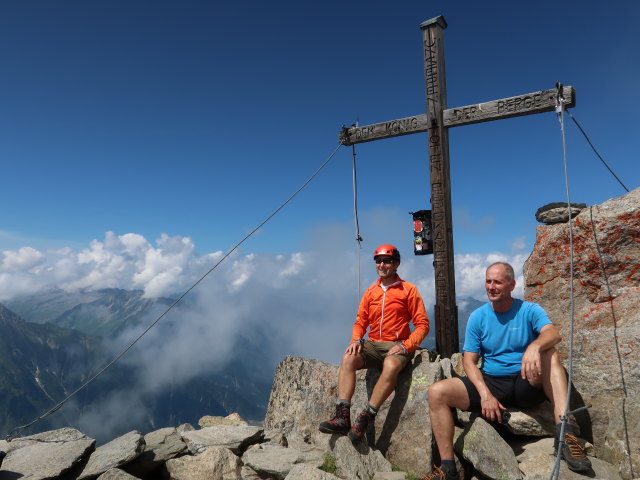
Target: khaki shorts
375 352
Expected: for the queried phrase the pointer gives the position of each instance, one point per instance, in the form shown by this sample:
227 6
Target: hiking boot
360 425
340 422
439 474
573 453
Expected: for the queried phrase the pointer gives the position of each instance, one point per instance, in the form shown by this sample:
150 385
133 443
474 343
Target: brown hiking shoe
340 422
360 425
573 453
439 474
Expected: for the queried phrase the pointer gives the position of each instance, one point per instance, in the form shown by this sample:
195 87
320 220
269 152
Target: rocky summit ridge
604 359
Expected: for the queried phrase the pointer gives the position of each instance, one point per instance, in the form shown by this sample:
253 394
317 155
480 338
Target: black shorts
511 391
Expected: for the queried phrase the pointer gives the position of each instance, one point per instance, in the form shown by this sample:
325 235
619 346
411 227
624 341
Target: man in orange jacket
386 309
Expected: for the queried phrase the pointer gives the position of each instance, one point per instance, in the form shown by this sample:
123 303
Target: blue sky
195 120
140 140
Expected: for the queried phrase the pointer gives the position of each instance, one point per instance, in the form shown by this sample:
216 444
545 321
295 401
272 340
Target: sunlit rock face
606 317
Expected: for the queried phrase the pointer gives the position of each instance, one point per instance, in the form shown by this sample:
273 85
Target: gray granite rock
275 461
536 422
539 467
160 446
390 476
485 449
305 391
358 462
116 474
557 212
214 463
116 453
45 455
235 438
606 322
211 421
305 471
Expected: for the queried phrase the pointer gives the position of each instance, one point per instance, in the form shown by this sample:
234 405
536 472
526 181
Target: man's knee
551 359
450 392
549 354
439 392
352 362
392 366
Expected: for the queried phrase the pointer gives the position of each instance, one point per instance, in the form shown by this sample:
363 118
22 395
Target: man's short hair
511 275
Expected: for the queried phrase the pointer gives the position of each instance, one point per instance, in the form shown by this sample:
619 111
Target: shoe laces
437 474
342 412
575 449
363 420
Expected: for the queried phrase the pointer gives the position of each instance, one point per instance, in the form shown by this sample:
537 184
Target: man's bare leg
391 368
554 382
442 396
341 420
347 375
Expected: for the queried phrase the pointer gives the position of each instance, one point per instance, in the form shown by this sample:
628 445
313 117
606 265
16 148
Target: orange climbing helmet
389 250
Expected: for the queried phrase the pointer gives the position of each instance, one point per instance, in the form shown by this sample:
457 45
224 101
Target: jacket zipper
384 298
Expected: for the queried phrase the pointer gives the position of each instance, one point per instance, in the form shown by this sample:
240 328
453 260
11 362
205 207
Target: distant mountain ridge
41 363
105 312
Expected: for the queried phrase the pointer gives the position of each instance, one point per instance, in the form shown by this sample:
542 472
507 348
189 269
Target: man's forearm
549 337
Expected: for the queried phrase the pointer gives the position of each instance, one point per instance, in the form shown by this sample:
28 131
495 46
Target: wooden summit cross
436 122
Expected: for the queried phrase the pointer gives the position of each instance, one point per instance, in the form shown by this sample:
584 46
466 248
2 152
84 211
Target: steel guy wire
560 111
596 151
355 217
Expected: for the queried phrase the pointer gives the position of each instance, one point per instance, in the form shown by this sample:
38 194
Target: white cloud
296 295
127 261
25 258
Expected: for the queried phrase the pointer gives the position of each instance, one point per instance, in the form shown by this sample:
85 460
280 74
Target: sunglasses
386 261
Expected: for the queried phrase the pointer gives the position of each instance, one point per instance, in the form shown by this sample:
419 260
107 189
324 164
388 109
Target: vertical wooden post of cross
446 310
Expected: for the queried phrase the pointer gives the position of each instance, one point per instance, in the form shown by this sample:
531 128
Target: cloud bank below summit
301 303
172 265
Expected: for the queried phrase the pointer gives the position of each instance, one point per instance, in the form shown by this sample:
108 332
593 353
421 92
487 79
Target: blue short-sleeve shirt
501 338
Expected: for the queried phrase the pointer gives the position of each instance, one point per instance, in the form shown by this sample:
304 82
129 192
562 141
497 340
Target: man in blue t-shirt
520 368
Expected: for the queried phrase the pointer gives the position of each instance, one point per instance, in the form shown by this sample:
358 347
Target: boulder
536 422
116 474
303 394
303 471
213 463
235 438
482 446
557 212
616 449
539 467
45 455
210 421
390 476
116 453
305 391
160 446
274 461
358 462
606 320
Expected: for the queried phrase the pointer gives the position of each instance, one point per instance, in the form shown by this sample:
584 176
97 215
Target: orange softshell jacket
387 314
